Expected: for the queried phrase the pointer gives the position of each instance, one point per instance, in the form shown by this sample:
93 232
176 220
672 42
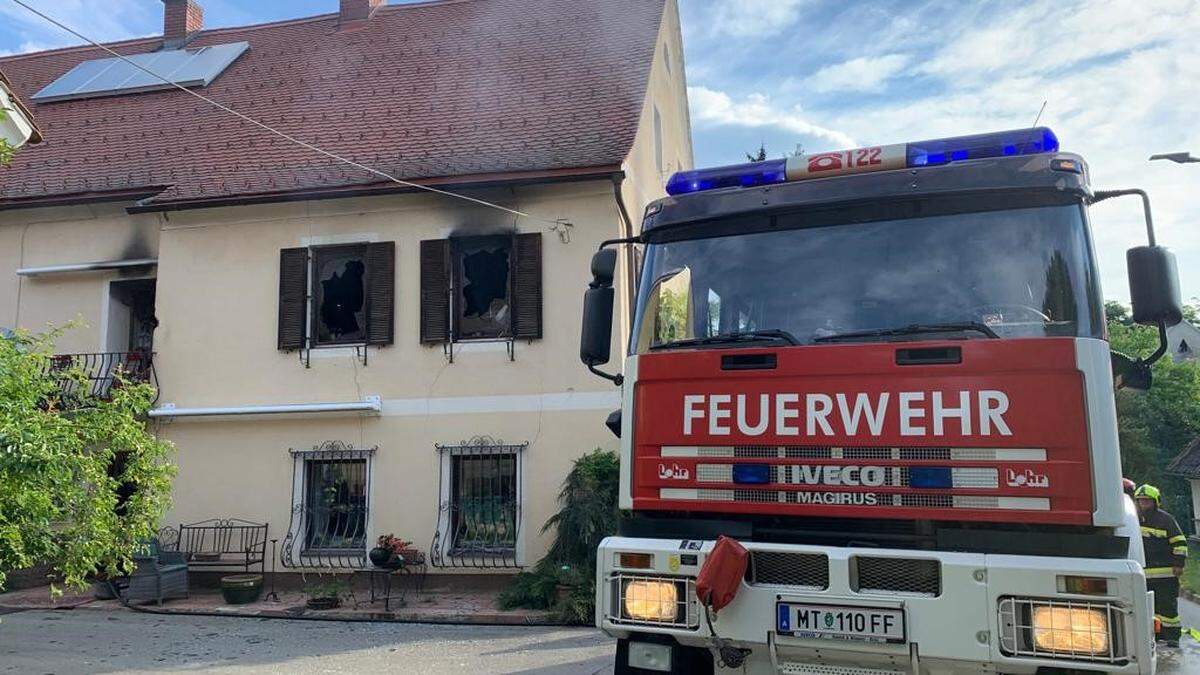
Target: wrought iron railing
479 511
328 527
103 371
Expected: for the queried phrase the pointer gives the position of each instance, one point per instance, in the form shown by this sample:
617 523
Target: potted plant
241 589
389 552
325 593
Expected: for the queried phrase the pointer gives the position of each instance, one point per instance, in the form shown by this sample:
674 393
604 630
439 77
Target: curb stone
301 613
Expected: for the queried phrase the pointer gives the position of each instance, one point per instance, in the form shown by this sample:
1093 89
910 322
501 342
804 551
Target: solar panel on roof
106 77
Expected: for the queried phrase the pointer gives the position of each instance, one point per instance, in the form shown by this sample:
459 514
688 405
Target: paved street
92 641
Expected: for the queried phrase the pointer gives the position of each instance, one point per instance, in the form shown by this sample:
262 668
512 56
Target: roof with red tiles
435 91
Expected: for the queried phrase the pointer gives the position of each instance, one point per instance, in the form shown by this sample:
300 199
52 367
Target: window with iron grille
480 511
335 504
483 498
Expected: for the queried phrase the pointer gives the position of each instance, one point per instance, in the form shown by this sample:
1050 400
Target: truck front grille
808 570
879 574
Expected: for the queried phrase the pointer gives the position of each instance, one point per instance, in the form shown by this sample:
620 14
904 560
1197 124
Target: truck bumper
961 612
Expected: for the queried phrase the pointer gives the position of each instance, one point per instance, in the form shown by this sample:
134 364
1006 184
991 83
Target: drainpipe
618 180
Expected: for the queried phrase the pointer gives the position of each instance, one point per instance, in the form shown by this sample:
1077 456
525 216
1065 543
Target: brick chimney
181 20
358 10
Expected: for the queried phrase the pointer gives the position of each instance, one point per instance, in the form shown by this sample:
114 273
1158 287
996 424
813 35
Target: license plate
840 622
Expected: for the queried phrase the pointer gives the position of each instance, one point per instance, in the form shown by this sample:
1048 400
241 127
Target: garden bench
220 542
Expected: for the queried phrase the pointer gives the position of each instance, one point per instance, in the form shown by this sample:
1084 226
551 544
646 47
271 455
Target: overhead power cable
283 134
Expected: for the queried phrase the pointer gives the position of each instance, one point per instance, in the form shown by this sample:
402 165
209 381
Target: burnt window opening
487 287
339 295
483 303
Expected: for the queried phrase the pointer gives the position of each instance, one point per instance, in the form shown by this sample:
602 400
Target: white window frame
444 534
298 525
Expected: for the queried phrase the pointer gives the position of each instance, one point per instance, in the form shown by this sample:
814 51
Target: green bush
587 514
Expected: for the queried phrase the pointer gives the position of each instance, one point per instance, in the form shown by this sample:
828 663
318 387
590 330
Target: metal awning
369 404
87 266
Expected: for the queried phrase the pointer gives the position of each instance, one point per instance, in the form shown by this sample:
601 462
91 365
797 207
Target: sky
1120 80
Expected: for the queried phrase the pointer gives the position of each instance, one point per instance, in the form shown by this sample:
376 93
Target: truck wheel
684 660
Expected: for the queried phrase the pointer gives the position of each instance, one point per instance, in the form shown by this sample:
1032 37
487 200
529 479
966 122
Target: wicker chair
159 575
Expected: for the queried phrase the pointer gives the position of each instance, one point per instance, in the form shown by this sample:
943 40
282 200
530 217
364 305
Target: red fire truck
884 374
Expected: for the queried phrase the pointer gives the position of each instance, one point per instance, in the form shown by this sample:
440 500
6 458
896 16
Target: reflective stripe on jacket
1165 544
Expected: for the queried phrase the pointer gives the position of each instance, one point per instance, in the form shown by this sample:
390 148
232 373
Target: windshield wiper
775 334
913 329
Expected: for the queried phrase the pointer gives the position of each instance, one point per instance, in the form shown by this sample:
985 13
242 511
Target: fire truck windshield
1020 272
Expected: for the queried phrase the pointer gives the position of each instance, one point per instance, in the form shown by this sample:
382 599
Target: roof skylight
108 77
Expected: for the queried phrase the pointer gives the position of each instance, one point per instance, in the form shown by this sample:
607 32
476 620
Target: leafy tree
1156 425
759 156
1116 312
83 481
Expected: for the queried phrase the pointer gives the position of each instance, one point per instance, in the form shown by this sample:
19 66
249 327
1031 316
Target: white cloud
1121 79
716 108
753 18
114 20
860 74
1049 35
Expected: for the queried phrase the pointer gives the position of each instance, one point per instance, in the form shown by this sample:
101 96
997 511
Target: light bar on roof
106 77
860 160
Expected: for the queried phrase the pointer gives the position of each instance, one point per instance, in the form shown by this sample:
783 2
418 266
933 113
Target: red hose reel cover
722 574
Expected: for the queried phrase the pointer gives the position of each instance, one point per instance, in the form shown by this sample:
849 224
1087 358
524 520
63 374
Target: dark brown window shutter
527 286
381 292
293 297
435 290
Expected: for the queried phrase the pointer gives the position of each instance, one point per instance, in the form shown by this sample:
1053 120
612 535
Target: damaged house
339 355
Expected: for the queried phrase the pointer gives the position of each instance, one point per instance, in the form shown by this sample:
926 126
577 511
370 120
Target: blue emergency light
930 477
754 474
933 152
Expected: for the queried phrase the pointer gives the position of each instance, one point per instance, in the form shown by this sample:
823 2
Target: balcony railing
101 369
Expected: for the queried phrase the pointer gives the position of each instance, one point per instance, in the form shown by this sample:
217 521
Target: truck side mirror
1153 290
595 338
1154 286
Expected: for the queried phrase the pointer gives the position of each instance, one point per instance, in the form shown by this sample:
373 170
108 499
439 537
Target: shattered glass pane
340 285
484 301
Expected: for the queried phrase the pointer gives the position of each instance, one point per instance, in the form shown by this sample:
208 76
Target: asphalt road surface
93 641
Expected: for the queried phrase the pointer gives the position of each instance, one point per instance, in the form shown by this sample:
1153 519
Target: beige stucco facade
216 303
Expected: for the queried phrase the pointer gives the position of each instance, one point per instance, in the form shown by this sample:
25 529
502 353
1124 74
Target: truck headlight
650 600
1077 630
1073 630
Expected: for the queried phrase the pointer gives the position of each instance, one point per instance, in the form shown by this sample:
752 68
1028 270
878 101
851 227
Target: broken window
483 287
339 292
483 307
337 295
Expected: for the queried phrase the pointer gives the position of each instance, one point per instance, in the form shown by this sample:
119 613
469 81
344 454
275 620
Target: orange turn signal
635 561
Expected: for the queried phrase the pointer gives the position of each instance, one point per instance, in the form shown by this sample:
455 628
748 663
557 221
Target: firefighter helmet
1148 492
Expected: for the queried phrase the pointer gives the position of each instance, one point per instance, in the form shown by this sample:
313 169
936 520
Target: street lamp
1177 157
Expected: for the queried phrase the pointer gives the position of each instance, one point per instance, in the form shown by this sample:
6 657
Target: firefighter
1166 553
